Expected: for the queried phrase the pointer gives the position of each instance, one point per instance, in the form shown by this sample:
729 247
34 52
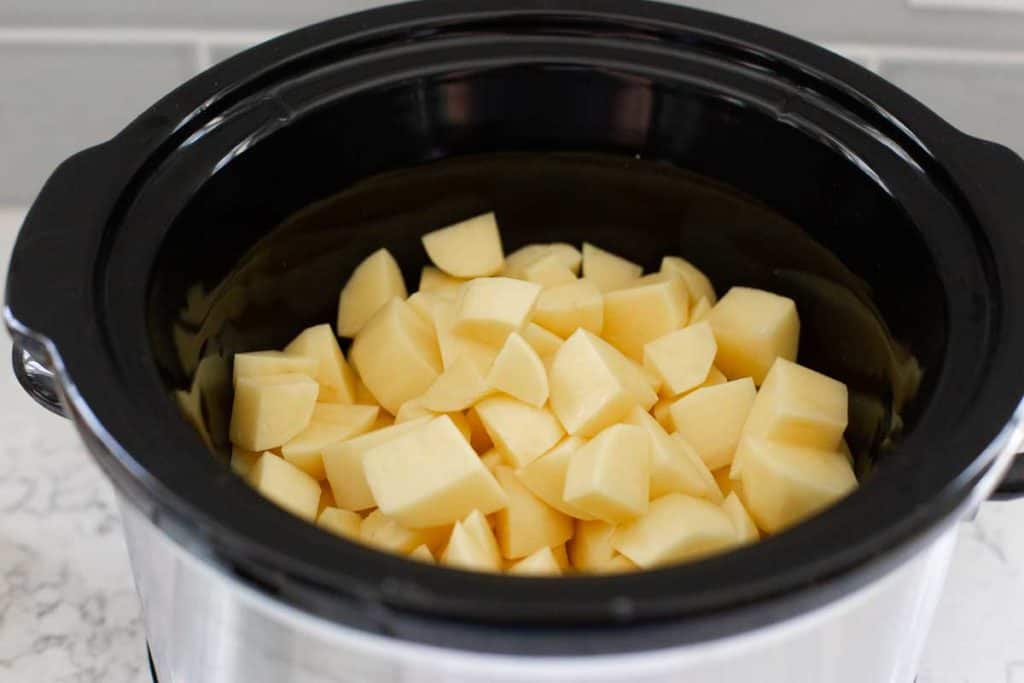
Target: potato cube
592 385
374 282
697 283
677 527
561 556
563 309
699 311
434 280
516 262
305 449
548 271
269 410
540 563
491 308
430 476
591 546
396 355
454 346
683 358
545 343
675 466
459 387
421 553
662 412
606 270
527 523
360 418
726 483
472 545
479 439
609 477
519 372
492 459
753 328
380 531
285 485
784 484
243 460
619 564
343 464
545 476
333 374
711 419
746 530
256 363
471 248
343 523
520 431
365 398
635 316
799 407
570 255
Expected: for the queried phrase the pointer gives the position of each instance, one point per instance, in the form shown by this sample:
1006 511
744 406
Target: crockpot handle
36 379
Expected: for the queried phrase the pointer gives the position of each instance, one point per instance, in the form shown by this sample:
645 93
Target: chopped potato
753 328
565 308
421 553
591 546
711 419
305 449
269 410
606 270
540 563
545 343
374 282
336 379
548 271
636 315
683 358
521 432
243 460
545 476
697 283
459 387
435 280
386 533
491 308
341 522
468 249
256 363
286 485
675 465
518 371
527 524
746 530
699 310
472 545
677 527
609 476
479 439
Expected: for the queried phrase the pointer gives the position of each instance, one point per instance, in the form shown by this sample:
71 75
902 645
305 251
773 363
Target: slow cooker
226 217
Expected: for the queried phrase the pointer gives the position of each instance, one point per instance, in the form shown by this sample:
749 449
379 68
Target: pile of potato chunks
516 415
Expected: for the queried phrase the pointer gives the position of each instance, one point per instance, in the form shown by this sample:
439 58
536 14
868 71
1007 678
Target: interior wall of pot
567 154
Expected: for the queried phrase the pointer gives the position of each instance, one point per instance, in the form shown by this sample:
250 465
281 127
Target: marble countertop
69 614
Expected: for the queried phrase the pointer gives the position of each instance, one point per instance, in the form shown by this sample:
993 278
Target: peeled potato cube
799 407
517 261
285 485
609 477
753 328
569 255
519 372
360 418
491 308
606 270
396 355
711 419
540 563
256 363
662 412
380 531
592 385
548 271
726 483
677 527
683 358
430 477
563 309
435 280
421 553
336 379
455 346
545 476
479 439
269 410
617 565
784 484
492 459
365 398
699 310
675 466
340 522
520 431
697 283
343 464
459 387
471 248
472 545
635 316
746 530
527 523
305 449
243 460
591 546
374 282
545 343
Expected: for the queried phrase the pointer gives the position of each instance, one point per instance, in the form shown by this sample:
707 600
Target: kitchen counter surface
69 614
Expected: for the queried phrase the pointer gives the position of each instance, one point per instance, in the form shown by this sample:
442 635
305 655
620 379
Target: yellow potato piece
468 249
563 309
662 412
726 483
517 371
269 410
635 316
540 563
360 418
257 363
454 346
492 459
472 545
462 424
591 546
783 485
396 355
617 565
746 530
380 531
799 407
340 522
336 379
516 262
561 557
434 280
491 308
411 410
675 466
699 310
527 523
545 343
570 255
285 485
326 498
459 387
677 527
343 464
545 476
421 553
753 328
712 418
479 439
606 270
609 477
521 432
697 283
305 449
683 358
430 476
592 385
364 397
243 460
548 271
372 284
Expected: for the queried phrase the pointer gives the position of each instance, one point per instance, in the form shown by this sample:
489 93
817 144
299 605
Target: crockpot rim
151 126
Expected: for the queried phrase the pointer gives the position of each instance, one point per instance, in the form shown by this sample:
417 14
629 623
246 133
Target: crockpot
227 216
